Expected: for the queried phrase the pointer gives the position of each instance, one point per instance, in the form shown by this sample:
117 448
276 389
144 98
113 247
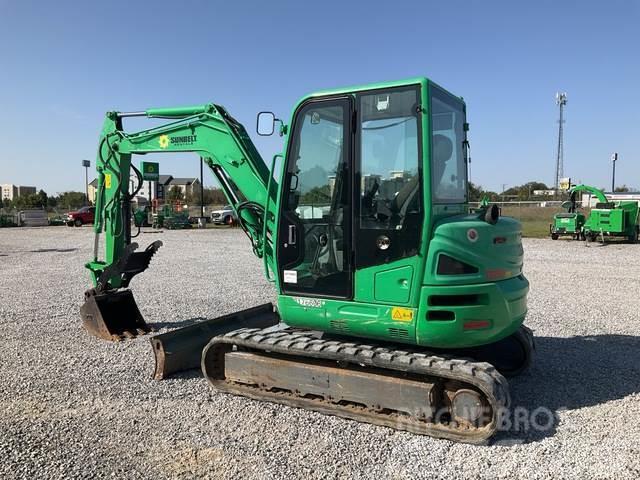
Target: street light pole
614 159
86 164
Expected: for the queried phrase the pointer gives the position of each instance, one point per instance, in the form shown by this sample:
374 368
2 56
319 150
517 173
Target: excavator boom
225 147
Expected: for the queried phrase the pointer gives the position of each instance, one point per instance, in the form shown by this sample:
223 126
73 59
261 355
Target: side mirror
266 123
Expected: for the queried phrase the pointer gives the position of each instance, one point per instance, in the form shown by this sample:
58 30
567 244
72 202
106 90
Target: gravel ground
72 406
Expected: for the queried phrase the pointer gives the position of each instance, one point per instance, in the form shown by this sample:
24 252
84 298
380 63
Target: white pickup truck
224 216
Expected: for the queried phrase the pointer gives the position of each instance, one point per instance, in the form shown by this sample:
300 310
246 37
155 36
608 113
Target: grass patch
535 220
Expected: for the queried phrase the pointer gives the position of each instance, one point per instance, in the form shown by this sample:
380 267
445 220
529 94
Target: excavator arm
223 143
207 130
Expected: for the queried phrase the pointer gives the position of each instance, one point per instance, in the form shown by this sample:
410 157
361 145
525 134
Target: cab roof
423 81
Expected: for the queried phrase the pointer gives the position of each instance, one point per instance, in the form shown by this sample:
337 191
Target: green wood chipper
569 223
607 219
396 306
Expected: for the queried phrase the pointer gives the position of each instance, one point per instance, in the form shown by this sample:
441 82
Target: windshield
448 165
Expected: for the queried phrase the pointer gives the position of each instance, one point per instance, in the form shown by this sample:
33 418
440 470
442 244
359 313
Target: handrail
265 219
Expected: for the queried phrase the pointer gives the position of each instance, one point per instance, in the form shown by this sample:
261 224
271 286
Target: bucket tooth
112 315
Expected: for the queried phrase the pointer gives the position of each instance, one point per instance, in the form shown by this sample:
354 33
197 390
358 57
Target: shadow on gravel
194 373
572 373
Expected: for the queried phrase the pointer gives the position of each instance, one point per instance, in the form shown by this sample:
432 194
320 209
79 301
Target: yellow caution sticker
402 314
107 180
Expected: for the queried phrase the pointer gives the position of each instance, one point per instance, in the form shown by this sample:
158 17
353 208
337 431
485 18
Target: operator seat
442 151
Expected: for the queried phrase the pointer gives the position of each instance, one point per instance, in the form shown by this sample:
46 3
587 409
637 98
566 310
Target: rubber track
527 335
294 343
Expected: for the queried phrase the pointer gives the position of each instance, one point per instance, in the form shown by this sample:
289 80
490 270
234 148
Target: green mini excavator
396 305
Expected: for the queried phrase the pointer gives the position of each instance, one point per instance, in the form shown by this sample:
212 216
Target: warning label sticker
402 314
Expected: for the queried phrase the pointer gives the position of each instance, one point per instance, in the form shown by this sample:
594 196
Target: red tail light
476 324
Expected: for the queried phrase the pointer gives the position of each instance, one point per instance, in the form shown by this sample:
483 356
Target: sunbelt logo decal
165 140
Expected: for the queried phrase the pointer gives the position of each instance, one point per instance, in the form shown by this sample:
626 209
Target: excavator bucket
113 316
181 349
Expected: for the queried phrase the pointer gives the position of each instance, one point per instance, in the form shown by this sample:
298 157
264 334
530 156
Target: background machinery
569 223
392 297
608 219
172 216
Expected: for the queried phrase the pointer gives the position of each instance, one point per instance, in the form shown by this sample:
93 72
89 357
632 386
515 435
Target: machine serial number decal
309 302
401 314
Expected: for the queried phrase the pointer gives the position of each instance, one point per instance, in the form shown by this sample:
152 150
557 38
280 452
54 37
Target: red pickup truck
80 217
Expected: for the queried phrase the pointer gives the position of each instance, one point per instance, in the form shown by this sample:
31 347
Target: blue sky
63 64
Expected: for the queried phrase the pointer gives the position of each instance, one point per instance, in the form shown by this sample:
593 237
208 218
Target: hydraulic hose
253 231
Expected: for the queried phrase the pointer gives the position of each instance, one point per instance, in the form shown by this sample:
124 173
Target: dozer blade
181 349
113 315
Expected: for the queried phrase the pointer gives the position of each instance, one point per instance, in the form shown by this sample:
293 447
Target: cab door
389 199
314 231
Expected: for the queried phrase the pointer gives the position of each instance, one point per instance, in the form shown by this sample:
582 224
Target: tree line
74 200
215 196
64 200
522 192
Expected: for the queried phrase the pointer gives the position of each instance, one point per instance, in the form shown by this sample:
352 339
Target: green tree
71 200
317 195
525 191
214 196
28 201
42 198
622 188
175 194
475 192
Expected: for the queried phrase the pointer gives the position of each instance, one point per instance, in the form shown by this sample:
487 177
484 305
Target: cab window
448 165
388 179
